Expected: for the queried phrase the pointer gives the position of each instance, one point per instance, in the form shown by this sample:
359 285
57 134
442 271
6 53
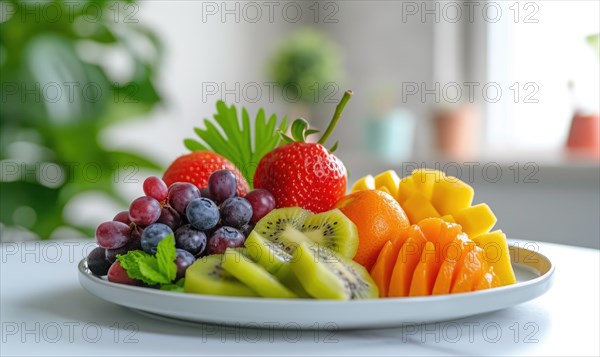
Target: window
534 52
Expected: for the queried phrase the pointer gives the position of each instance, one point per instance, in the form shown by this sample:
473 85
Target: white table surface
44 311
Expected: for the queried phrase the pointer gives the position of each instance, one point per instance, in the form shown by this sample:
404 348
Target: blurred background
97 95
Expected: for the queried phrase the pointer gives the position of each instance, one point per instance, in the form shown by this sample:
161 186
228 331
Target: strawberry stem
336 116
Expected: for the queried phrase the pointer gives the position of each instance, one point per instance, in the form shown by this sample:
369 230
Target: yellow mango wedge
364 183
417 208
476 220
389 180
496 254
451 195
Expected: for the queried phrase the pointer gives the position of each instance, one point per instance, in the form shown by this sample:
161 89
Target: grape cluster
203 221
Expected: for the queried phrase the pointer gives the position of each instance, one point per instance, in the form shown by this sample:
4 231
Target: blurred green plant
594 41
305 63
59 92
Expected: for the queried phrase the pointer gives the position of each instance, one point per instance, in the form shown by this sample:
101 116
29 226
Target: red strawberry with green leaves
302 174
197 166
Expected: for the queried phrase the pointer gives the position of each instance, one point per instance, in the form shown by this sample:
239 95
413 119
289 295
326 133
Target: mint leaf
165 257
177 287
150 272
130 262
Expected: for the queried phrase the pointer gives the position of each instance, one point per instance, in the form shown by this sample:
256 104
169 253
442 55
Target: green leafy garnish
243 145
160 269
177 287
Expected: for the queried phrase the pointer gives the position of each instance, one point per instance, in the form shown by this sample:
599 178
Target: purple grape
97 263
123 217
235 212
190 239
117 274
202 213
144 211
156 188
223 238
183 260
152 235
222 185
247 229
112 234
170 217
181 194
262 202
133 244
205 193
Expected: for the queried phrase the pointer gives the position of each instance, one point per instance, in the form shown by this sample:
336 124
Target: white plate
534 274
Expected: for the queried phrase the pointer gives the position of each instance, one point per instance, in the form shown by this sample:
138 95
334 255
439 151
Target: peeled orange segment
496 253
382 270
452 254
407 261
389 180
365 183
488 280
451 195
449 232
431 228
476 220
469 271
424 179
426 272
406 189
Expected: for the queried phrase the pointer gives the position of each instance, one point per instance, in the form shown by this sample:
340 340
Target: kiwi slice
292 226
207 276
332 229
327 275
275 260
237 263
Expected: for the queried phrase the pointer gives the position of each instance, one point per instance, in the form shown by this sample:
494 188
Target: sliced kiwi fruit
207 276
290 227
327 275
332 229
238 264
275 260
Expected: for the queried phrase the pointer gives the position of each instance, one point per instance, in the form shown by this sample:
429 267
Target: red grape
262 202
97 263
223 238
117 274
181 194
144 211
156 188
112 234
222 185
122 216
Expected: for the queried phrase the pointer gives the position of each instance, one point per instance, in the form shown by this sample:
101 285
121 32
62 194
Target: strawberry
197 166
302 174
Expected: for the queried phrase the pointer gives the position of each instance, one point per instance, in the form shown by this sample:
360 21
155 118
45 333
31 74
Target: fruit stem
336 116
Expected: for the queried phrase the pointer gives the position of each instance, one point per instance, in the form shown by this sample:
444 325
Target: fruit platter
257 225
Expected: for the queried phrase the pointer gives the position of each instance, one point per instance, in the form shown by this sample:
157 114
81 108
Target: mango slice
417 208
496 253
451 195
407 261
364 183
424 180
476 220
406 189
390 180
425 272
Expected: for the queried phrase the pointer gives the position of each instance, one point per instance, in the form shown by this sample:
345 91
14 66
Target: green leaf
194 145
334 147
165 257
299 127
243 142
150 271
177 287
130 262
